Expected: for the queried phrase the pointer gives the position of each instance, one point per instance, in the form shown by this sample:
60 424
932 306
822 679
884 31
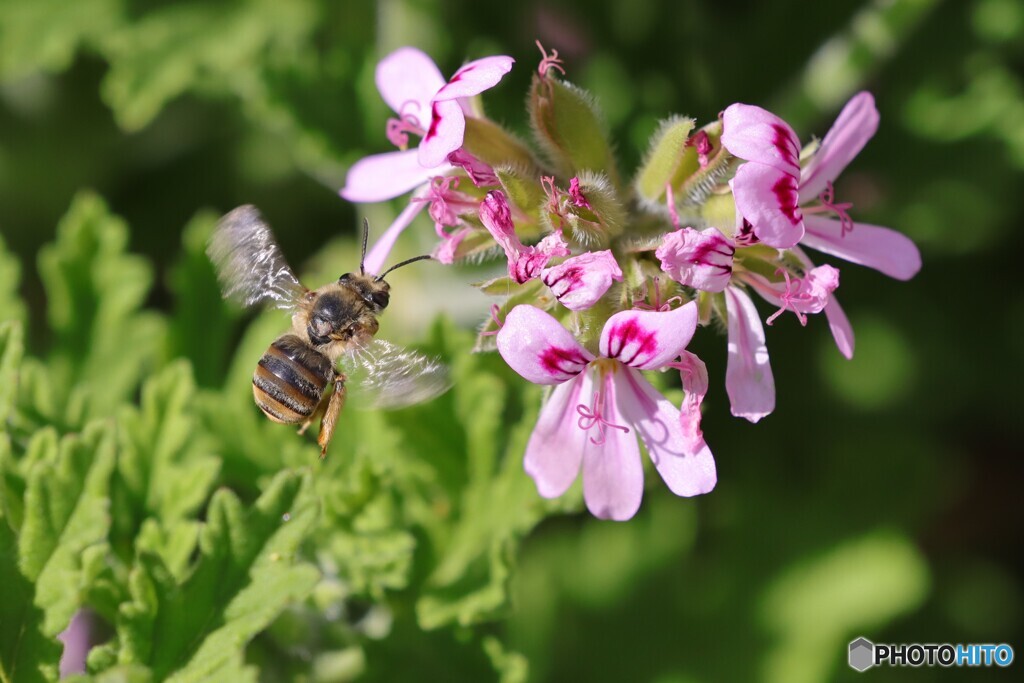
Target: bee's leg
312 418
334 406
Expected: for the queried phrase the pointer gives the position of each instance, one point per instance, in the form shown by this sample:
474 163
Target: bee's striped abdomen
290 379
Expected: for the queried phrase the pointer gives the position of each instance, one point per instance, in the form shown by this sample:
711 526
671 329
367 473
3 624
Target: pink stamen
576 194
548 62
495 310
787 297
593 415
671 201
407 122
828 203
702 142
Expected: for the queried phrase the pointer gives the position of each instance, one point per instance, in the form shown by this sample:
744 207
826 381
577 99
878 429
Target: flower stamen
593 415
793 286
840 209
548 62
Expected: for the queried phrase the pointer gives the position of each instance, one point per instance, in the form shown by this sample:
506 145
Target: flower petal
702 260
842 331
408 80
748 374
374 261
385 176
445 134
648 339
579 282
686 466
856 124
873 246
613 475
537 347
768 199
757 135
555 450
694 376
475 77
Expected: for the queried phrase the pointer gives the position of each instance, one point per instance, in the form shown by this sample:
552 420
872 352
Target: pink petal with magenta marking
754 134
579 282
555 449
537 347
840 326
748 374
445 134
385 176
686 466
475 77
408 80
856 124
768 199
648 339
613 475
699 259
885 250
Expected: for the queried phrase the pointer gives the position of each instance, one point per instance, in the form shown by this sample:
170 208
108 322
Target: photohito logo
864 654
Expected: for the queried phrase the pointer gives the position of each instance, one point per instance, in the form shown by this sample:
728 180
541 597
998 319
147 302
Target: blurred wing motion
250 265
383 375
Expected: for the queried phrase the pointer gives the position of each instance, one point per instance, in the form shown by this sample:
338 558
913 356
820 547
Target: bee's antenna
403 263
362 255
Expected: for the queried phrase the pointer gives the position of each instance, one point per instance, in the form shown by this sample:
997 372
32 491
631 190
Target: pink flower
579 282
598 401
429 107
787 205
702 260
524 263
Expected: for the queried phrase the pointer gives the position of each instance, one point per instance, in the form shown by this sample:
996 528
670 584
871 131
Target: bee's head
376 293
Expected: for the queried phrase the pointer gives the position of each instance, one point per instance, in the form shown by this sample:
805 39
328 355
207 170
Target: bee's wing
384 375
250 265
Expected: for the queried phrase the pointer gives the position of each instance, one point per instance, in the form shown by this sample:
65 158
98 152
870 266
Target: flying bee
297 378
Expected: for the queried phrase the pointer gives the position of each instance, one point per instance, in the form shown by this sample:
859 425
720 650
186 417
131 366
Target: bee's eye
380 299
345 278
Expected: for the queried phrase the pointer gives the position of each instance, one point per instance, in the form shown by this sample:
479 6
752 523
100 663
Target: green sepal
665 159
495 146
532 292
569 127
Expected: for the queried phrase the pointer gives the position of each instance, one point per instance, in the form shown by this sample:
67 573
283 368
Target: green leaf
67 509
246 574
26 655
201 324
160 472
94 292
12 308
570 128
45 34
179 47
12 347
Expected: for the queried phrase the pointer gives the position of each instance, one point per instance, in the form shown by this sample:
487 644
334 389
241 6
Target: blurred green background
882 498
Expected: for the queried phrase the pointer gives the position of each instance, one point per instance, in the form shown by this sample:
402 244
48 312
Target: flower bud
702 260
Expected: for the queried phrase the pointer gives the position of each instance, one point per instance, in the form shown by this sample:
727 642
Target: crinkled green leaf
179 47
200 326
45 34
12 347
67 509
94 292
569 127
160 474
512 667
12 308
245 575
26 655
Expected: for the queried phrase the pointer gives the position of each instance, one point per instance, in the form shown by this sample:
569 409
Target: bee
297 379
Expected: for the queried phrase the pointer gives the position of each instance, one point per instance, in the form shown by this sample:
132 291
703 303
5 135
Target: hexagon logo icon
862 654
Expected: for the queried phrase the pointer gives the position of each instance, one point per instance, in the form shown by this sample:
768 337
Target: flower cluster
609 280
